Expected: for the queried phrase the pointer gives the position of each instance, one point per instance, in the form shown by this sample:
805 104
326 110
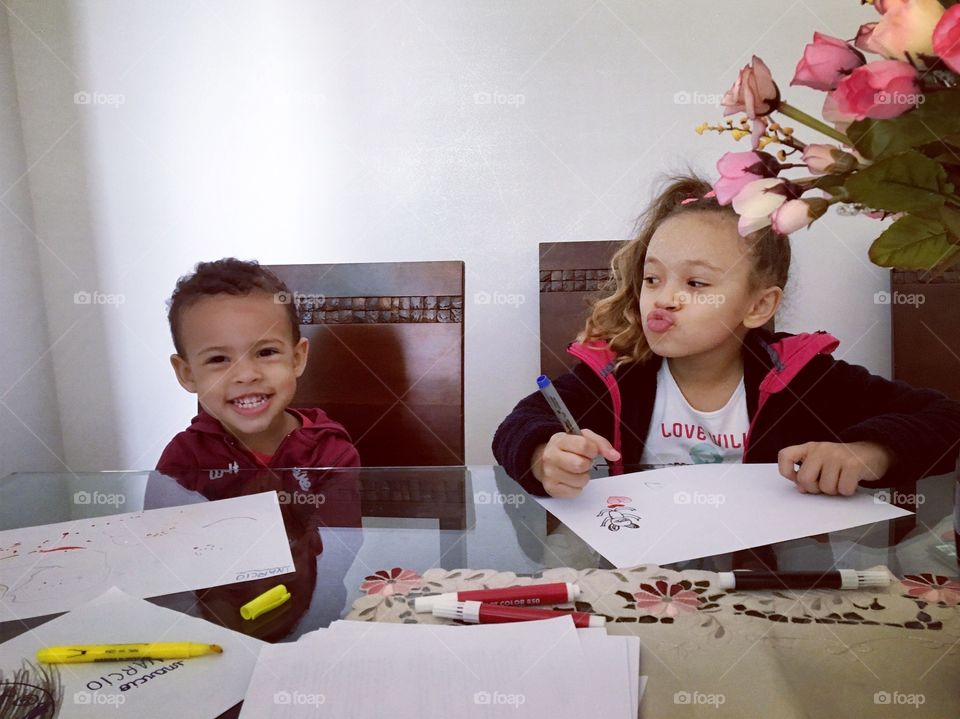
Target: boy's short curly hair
228 276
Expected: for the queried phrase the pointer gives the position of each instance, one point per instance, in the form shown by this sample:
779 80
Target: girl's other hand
563 464
833 467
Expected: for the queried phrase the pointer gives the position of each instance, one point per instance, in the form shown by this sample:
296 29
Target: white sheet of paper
56 567
678 513
199 687
410 671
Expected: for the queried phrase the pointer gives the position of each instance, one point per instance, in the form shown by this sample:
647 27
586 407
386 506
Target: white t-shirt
680 434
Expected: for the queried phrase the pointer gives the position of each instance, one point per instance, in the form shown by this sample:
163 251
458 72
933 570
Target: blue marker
549 393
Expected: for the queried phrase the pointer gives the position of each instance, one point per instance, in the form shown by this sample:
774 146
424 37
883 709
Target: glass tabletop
364 530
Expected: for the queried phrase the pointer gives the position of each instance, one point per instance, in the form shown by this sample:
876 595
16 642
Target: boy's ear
300 351
765 305
183 372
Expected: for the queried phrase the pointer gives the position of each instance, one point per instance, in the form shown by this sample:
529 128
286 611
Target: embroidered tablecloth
708 652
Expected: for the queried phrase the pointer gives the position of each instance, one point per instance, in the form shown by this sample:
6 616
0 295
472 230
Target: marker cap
266 602
422 605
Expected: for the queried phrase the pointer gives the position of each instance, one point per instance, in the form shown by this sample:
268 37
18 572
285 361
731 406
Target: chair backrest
571 275
386 355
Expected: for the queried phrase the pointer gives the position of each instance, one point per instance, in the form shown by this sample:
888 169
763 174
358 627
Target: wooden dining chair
386 355
571 275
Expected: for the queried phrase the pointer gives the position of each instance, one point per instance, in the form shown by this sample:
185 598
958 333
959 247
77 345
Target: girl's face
695 296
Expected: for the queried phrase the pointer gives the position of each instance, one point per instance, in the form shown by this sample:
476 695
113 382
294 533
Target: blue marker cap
543 381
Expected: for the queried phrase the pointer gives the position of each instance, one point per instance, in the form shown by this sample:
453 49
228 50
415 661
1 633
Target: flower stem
800 116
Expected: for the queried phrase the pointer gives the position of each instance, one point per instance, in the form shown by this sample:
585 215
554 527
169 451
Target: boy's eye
697 284
216 359
267 351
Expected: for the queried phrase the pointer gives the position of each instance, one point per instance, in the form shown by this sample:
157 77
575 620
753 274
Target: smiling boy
239 349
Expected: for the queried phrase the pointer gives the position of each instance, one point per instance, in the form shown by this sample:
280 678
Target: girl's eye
697 284
649 280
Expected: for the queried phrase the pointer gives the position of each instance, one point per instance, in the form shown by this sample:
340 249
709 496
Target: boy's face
241 361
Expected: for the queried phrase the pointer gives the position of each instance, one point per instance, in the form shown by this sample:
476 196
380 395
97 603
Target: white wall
359 131
29 423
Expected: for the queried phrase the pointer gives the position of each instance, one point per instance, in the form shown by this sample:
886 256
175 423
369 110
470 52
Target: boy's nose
245 370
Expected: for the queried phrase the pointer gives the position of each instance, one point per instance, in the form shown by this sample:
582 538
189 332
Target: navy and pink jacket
796 392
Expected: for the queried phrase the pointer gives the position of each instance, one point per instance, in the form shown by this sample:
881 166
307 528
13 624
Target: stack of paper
525 669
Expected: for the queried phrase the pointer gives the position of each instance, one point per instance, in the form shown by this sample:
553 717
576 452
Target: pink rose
754 92
823 159
831 113
864 38
738 169
757 201
825 62
946 38
879 90
794 215
907 27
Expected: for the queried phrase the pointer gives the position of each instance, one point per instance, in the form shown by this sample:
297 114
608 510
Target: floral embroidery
932 588
391 581
661 599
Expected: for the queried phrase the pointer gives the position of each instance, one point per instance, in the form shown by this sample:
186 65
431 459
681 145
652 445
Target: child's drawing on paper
618 515
54 567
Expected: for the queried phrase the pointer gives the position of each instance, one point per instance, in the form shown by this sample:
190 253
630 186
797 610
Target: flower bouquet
894 123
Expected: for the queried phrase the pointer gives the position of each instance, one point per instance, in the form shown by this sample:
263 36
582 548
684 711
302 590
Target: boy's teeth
250 401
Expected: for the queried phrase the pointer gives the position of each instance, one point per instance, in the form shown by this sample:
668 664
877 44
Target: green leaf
937 117
951 220
908 182
914 243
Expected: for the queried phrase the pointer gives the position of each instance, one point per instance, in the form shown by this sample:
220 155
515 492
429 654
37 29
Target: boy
238 347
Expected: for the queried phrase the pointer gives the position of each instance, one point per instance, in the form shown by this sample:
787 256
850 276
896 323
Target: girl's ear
765 305
184 373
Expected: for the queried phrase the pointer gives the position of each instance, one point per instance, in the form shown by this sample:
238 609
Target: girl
676 367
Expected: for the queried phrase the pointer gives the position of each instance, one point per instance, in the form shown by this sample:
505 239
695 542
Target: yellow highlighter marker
266 602
122 652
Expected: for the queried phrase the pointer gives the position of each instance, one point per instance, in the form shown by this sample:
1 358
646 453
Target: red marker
480 613
528 595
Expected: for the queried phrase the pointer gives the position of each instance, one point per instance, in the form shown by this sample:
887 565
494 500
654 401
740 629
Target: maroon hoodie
206 445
